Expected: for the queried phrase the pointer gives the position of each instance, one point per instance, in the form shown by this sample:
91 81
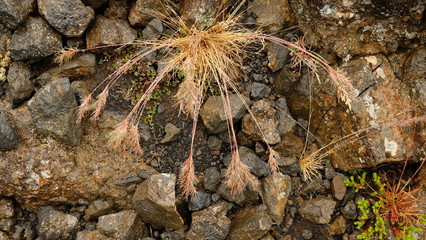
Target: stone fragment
54 112
153 30
175 235
36 39
9 138
337 226
203 13
200 201
247 197
172 133
257 166
259 90
53 224
20 87
250 223
69 17
14 13
274 15
214 116
5 36
6 208
349 211
97 209
211 179
91 235
109 31
143 11
338 187
275 193
317 210
210 223
3 236
94 3
117 9
285 121
155 202
7 224
124 225
278 55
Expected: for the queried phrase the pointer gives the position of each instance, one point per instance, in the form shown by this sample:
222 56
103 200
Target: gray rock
274 15
278 55
129 181
337 226
257 166
203 13
53 109
247 197
349 211
91 235
210 223
317 210
338 187
117 9
8 134
97 209
124 225
275 193
285 121
20 86
329 172
214 143
143 11
69 17
259 90
250 223
214 116
6 208
36 39
14 13
211 179
154 200
172 133
82 66
53 224
200 201
109 31
153 30
94 3
143 174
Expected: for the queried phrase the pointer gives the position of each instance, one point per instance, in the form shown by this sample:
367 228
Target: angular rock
91 235
7 224
117 9
349 211
337 226
6 208
338 187
317 210
97 209
250 223
155 202
285 121
143 11
274 15
54 112
200 201
34 40
124 225
172 133
247 197
153 30
278 55
203 13
275 193
109 31
214 116
94 3
211 179
69 17
14 13
210 223
20 86
257 166
53 224
3 236
5 36
259 90
9 138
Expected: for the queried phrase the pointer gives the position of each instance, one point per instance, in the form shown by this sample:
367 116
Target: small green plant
4 64
387 203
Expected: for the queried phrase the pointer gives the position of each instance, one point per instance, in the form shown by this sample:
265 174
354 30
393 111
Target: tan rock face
274 15
275 192
250 223
203 13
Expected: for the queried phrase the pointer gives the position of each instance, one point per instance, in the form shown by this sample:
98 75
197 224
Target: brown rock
91 235
6 208
274 15
250 223
337 226
3 236
53 224
338 187
195 12
97 209
124 225
143 11
317 210
275 192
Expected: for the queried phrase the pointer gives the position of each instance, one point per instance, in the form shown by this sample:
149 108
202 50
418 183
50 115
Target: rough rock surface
109 31
317 210
124 225
211 179
273 15
210 223
203 13
337 226
277 56
9 138
14 13
214 116
143 11
53 224
117 9
69 17
95 3
20 86
34 40
338 187
275 193
5 36
247 197
250 223
155 202
7 209
257 166
200 201
54 112
91 235
97 209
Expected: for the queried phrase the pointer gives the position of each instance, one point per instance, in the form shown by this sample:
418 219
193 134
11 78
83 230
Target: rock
53 224
265 116
178 235
6 208
210 223
95 3
268 237
172 133
5 36
273 15
9 138
200 201
7 224
307 234
349 211
3 236
276 190
124 225
257 166
117 9
278 55
338 187
212 178
143 11
109 31
34 40
69 17
13 13
203 13
154 200
97 209
91 235
214 116
129 181
290 146
338 226
20 86
286 81
153 30
214 143
250 223
247 197
317 210
259 90
54 112
285 121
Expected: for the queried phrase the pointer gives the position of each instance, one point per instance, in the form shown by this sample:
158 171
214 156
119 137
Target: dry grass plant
209 56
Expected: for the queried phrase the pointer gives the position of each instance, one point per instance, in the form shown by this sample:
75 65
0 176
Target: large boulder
69 17
14 13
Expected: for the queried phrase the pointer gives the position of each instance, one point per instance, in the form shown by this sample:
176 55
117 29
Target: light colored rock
317 210
338 187
172 133
6 208
250 223
273 15
97 209
124 225
275 193
203 13
91 235
53 224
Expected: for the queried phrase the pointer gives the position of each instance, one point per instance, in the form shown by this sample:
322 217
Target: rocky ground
59 179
